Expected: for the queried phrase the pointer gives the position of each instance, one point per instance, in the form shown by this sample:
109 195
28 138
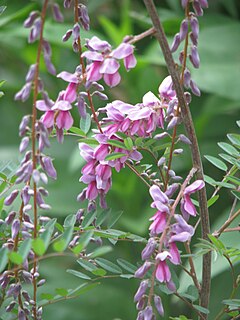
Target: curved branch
196 157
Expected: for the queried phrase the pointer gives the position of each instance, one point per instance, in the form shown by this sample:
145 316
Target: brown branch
34 158
226 224
196 157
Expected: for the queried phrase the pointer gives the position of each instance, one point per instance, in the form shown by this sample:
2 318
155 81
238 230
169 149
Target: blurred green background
214 114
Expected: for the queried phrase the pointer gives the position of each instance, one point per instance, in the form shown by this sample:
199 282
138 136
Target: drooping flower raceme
104 63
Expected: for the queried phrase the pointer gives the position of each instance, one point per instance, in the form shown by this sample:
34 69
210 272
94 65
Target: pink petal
123 50
62 105
157 194
85 151
175 256
96 44
112 80
138 114
92 55
92 191
166 88
163 273
42 106
130 62
64 120
93 71
69 77
189 206
195 186
71 92
109 66
149 99
48 119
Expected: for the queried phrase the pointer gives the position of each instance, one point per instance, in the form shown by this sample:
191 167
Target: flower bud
28 23
10 217
184 139
31 73
194 88
158 305
197 8
76 31
24 144
187 78
10 306
21 314
148 313
23 125
194 57
67 4
48 167
84 17
57 14
149 249
176 43
35 31
9 200
140 273
184 3
67 35
140 316
100 95
194 26
41 282
141 290
172 123
141 303
183 29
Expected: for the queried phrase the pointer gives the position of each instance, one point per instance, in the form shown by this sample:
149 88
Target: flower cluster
190 22
167 228
104 61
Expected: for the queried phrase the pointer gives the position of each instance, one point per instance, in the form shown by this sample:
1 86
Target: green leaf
86 265
236 194
61 244
108 265
3 186
2 9
3 258
102 217
201 309
61 291
234 138
228 148
47 296
82 289
209 180
128 143
90 141
88 219
116 143
69 221
99 272
217 163
83 241
211 201
115 155
15 257
218 243
85 124
228 158
77 131
114 218
47 234
24 248
100 251
234 179
78 274
232 302
38 246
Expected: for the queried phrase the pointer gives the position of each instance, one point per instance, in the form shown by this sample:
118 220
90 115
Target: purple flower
163 273
166 89
104 63
187 206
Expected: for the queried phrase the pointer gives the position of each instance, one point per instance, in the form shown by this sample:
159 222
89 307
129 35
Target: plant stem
34 158
196 157
226 224
192 267
76 19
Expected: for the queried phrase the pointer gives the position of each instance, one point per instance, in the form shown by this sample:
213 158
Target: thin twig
226 224
196 157
34 158
192 267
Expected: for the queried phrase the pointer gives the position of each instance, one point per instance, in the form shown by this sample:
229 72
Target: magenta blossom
187 207
166 90
104 62
163 273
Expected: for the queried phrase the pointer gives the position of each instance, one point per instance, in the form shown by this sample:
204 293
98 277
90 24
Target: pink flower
104 63
187 207
163 273
166 89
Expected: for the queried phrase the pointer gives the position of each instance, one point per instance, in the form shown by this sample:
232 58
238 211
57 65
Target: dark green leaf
102 217
201 309
77 131
114 218
85 124
211 201
100 251
24 248
128 143
115 155
108 265
88 219
83 241
86 265
116 143
78 274
3 258
228 148
217 163
47 234
234 138
218 243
